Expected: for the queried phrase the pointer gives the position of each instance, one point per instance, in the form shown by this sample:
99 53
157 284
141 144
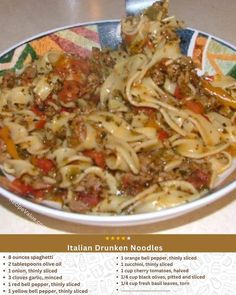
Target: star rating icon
117 238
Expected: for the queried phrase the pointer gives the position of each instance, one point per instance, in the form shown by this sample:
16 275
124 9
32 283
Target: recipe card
110 265
118 147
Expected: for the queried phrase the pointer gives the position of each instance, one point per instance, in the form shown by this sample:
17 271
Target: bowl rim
118 219
89 23
115 220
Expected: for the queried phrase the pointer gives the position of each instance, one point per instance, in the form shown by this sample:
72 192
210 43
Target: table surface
22 19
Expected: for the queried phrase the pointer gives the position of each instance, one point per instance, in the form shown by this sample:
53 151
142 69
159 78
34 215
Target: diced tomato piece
37 111
20 187
40 124
162 135
44 164
70 91
90 199
178 93
97 157
81 65
195 107
24 189
199 179
62 72
38 193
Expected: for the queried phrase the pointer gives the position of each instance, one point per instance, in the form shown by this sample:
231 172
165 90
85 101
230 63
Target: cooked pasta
124 131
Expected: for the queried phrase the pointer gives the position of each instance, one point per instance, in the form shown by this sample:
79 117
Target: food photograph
117 117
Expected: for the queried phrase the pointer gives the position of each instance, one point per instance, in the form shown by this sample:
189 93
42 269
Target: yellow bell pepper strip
11 147
224 97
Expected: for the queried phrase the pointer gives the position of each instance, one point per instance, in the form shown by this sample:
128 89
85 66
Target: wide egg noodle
19 168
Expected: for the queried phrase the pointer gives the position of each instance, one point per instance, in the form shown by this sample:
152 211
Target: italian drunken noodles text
123 131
